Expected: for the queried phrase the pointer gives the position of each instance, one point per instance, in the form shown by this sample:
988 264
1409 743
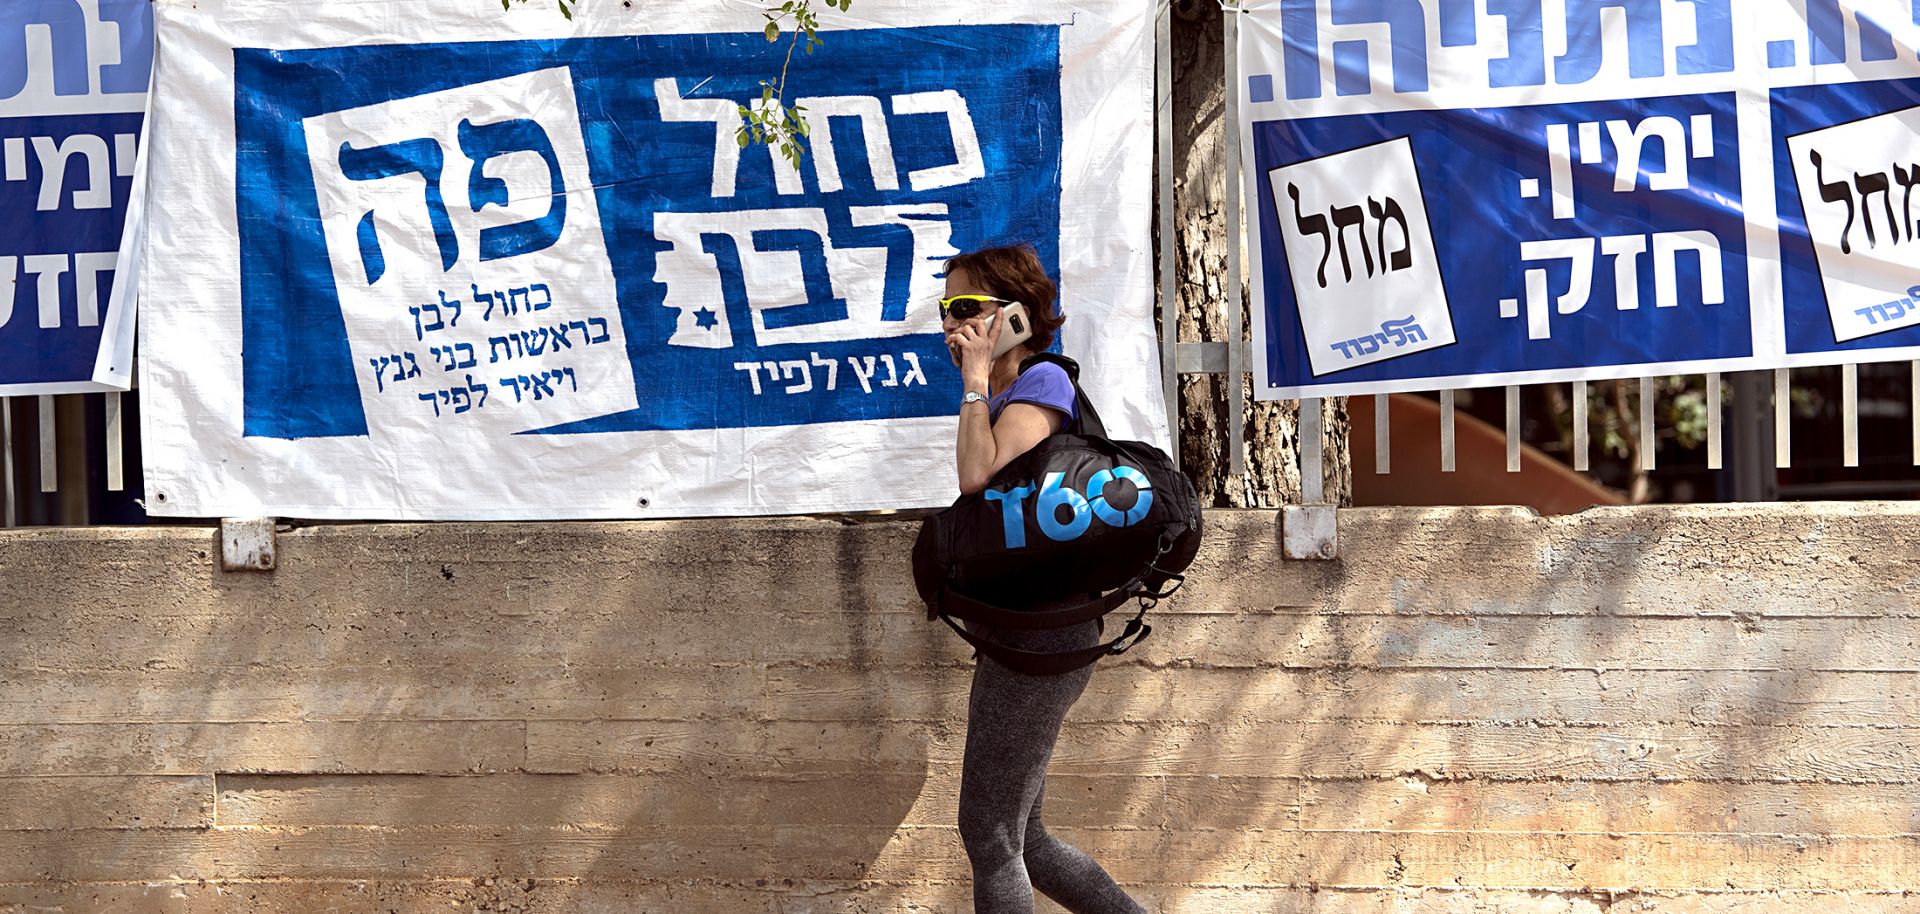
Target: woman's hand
972 346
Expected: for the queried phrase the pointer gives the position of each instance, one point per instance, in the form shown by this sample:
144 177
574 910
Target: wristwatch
973 396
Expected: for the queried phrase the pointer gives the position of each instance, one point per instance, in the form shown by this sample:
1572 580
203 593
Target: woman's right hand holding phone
972 346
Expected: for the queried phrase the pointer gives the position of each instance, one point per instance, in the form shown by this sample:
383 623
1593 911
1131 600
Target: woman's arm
985 448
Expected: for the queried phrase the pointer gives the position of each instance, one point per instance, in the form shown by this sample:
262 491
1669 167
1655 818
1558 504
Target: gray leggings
1012 723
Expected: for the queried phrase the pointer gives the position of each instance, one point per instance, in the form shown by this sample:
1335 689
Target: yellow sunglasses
963 307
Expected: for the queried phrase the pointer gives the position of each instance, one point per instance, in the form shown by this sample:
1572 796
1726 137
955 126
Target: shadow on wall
755 717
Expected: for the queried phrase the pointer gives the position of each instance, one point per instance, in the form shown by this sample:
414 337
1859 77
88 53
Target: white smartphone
1019 328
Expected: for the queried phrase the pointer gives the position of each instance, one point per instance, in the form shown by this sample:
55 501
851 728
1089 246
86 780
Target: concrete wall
1629 710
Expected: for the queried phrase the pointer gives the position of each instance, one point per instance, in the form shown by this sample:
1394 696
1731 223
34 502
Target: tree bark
1272 476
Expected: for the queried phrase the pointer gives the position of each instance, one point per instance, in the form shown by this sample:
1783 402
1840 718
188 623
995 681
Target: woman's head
1011 273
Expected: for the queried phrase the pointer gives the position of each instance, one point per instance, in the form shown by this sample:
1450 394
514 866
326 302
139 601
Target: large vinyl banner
73 96
1450 193
433 260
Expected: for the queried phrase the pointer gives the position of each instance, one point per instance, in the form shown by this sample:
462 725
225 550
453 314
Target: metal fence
70 460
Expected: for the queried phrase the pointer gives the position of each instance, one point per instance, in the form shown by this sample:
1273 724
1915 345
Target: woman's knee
988 839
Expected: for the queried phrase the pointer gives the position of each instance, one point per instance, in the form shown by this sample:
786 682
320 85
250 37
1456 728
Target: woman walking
1013 719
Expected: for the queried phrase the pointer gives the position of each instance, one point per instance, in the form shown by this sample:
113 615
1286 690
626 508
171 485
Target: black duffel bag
1078 515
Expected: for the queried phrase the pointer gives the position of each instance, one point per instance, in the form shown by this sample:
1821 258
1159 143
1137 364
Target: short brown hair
1014 273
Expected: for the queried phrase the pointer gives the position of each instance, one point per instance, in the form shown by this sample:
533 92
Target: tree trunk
1272 476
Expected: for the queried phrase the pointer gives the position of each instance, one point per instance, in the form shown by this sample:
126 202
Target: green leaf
773 31
741 138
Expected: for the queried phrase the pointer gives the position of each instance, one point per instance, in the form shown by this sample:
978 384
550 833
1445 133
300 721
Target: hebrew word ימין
1679 145
52 156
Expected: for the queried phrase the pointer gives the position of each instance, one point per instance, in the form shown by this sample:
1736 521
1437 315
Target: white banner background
201 462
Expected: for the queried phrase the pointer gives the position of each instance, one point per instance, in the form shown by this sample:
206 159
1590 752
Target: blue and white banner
432 260
1458 193
73 96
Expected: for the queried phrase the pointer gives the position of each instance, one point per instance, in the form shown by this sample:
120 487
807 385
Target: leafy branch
770 119
566 6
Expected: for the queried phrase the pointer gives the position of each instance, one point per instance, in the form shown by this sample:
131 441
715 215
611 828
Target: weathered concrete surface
1629 710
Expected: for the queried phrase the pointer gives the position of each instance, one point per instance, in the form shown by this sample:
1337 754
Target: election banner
432 260
1451 193
73 97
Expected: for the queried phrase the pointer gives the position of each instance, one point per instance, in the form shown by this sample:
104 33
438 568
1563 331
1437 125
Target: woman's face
960 283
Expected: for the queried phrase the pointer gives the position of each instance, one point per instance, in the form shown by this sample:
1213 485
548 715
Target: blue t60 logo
1081 510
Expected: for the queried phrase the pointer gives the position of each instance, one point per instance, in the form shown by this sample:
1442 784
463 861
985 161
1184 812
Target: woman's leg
1013 721
1067 875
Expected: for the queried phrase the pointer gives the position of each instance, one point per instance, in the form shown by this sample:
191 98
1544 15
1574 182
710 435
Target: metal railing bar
1782 412
11 500
1382 450
1513 428
1649 440
1714 417
1169 266
49 448
1313 452
1236 394
1582 438
1850 415
116 444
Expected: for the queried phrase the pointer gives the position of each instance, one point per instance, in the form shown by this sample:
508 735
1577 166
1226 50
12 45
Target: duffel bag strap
959 605
1046 663
1086 421
1051 663
954 603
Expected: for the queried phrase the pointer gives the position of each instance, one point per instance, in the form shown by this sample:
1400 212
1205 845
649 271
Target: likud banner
436 260
73 98
1450 193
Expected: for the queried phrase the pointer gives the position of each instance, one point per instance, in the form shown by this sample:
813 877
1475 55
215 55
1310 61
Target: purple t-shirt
1045 384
